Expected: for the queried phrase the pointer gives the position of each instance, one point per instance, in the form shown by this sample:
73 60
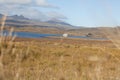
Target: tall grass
67 61
113 34
6 47
9 54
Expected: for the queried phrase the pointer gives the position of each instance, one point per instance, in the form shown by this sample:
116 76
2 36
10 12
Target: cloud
40 3
55 15
32 14
28 9
25 11
15 1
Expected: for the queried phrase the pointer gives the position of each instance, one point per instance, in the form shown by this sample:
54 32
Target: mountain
56 21
51 26
21 21
1 15
18 17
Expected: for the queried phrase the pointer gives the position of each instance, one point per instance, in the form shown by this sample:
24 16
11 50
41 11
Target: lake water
40 35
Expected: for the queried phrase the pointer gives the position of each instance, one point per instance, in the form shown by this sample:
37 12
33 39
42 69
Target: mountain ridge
21 21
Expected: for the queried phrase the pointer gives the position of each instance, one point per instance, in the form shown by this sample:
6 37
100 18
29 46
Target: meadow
58 59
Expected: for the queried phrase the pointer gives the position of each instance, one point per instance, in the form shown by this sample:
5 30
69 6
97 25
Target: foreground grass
58 59
66 60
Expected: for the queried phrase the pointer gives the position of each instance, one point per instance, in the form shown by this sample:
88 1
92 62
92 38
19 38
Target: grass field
56 59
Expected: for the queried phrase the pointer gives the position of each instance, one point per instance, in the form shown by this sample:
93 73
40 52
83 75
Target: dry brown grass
54 61
49 59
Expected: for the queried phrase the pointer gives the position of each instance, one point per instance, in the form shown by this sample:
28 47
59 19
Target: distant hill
1 15
56 21
53 26
18 17
21 21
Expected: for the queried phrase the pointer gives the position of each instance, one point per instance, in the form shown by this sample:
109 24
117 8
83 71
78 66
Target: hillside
21 21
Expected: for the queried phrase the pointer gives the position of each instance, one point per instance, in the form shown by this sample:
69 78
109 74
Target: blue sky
89 13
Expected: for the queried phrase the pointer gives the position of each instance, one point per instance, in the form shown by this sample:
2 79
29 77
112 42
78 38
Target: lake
40 35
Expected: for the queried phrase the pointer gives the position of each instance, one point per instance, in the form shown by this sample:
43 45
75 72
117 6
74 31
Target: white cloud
27 9
41 3
32 14
15 1
55 15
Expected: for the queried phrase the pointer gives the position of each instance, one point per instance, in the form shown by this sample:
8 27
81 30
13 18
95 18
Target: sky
87 13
